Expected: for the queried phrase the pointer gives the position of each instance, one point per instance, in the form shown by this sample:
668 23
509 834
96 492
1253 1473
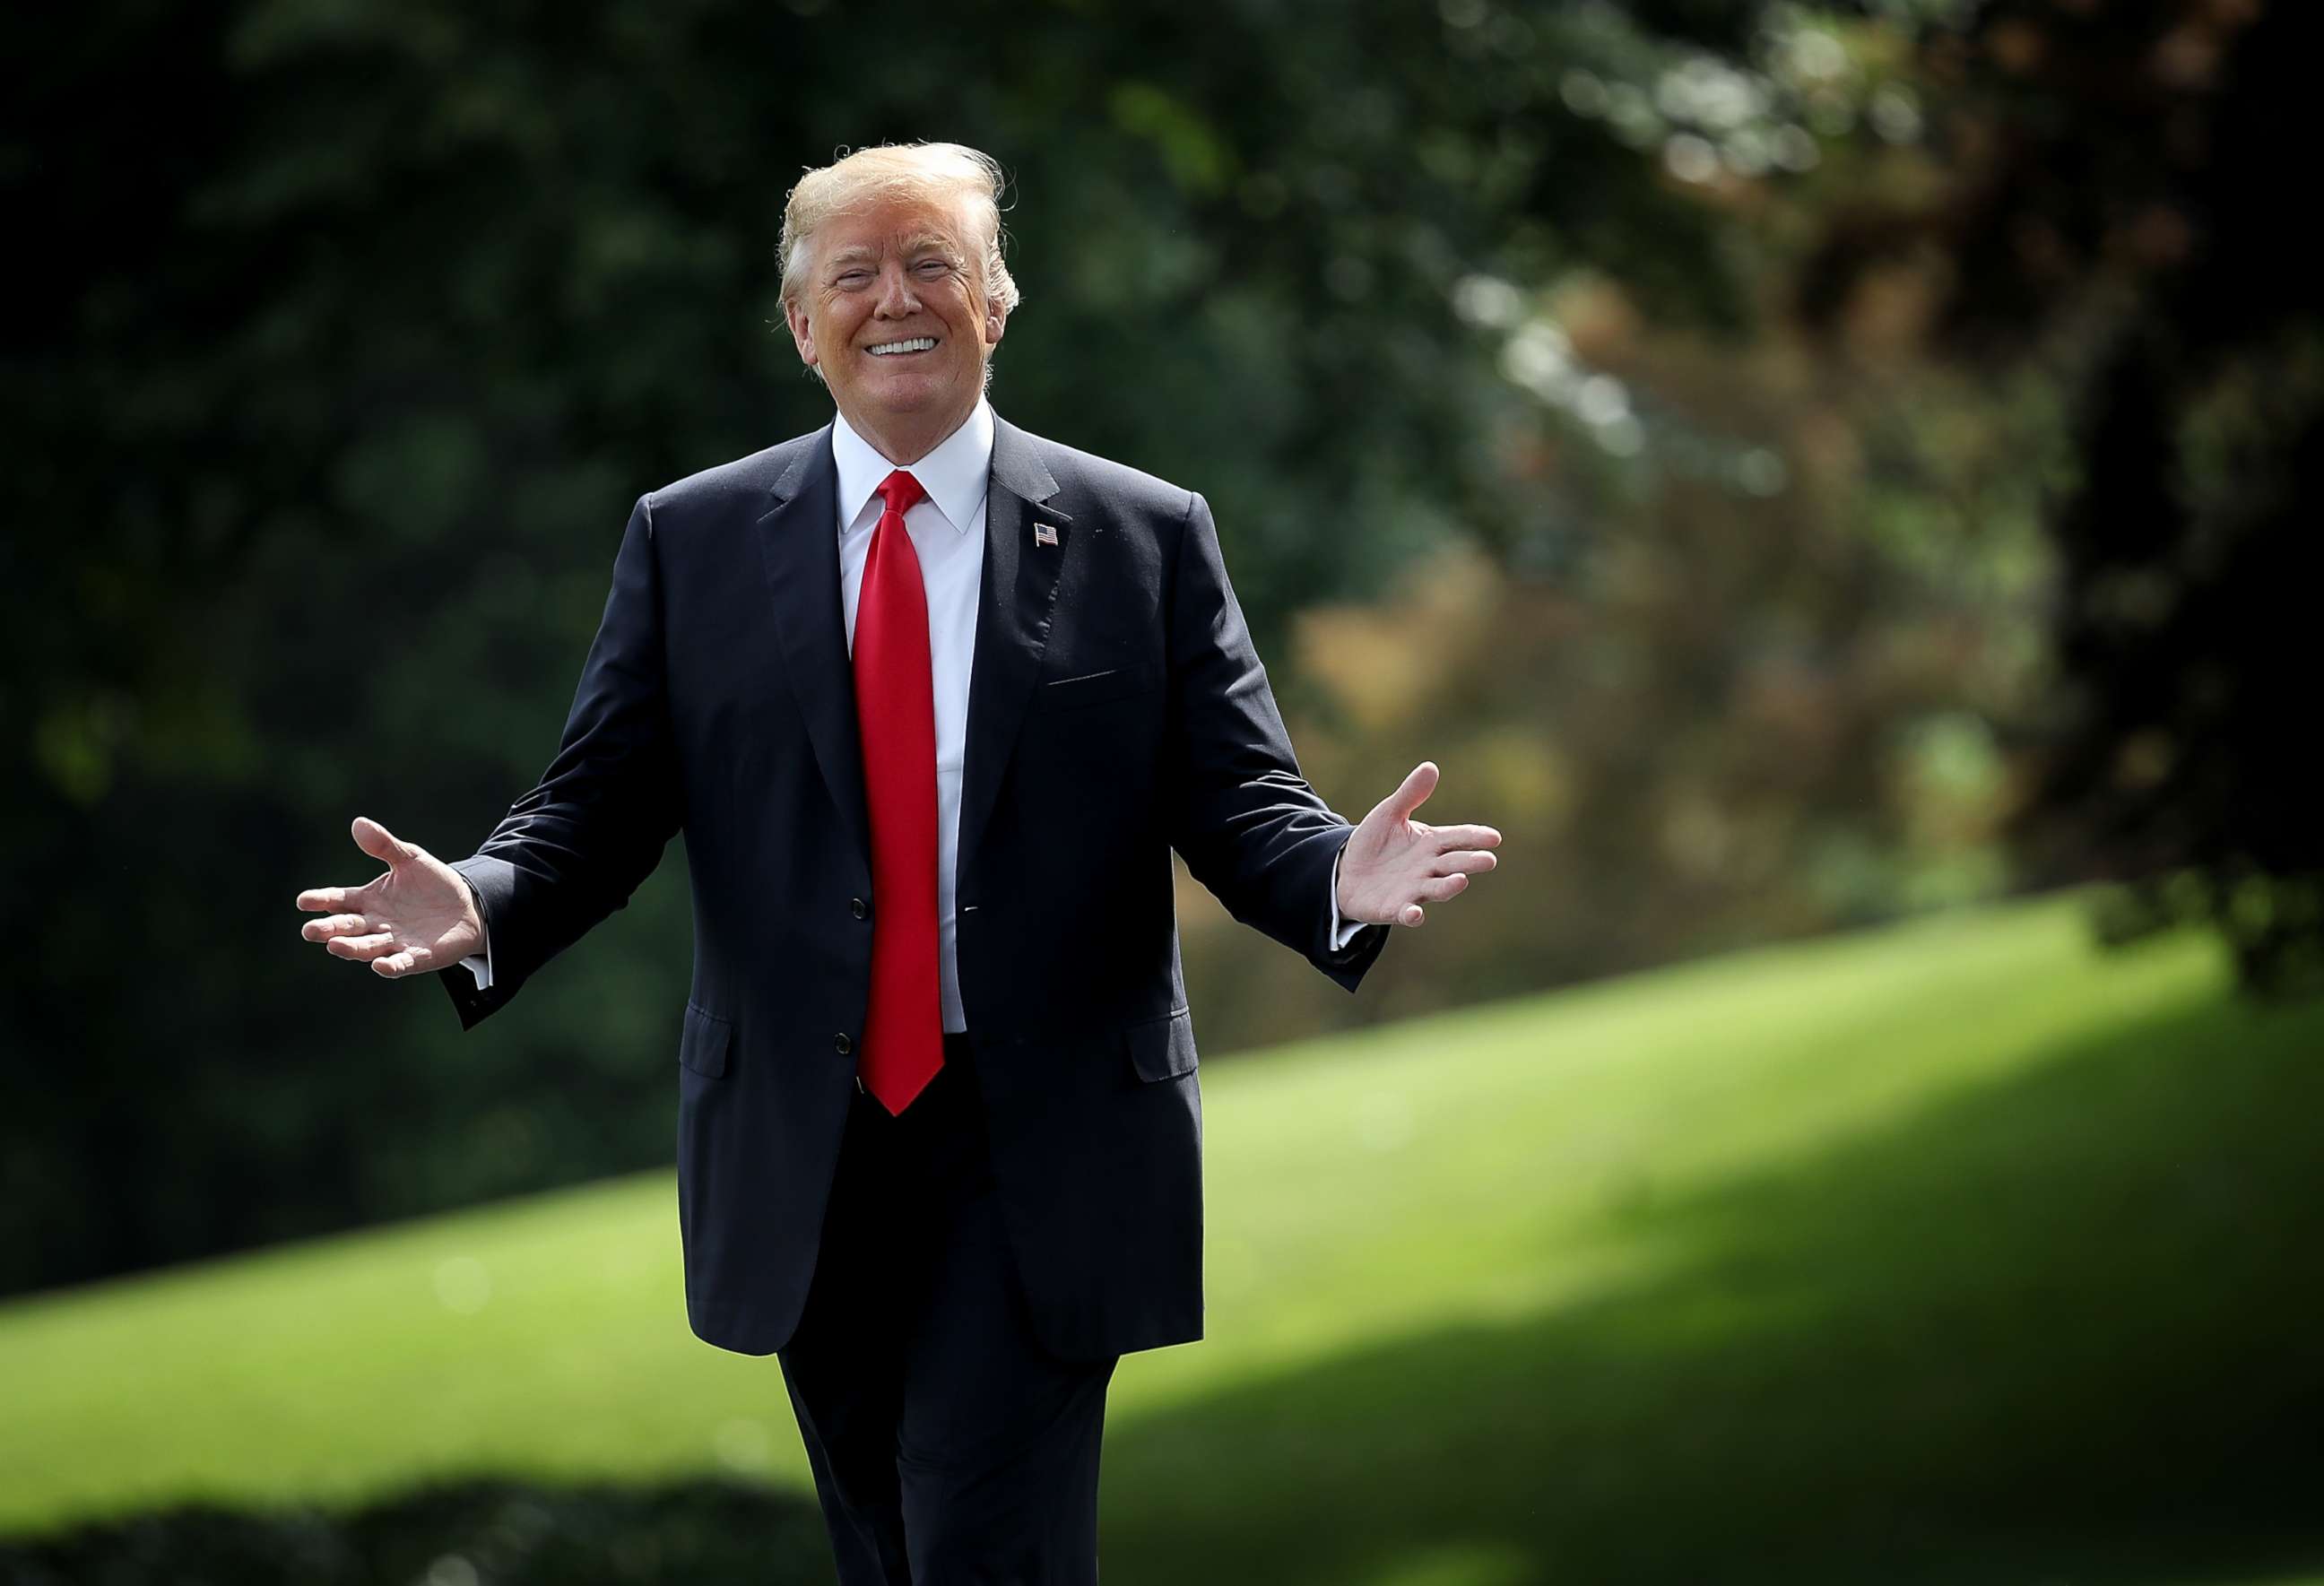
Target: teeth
919 344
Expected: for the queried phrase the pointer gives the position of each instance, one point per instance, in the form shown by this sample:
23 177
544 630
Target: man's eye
934 266
854 277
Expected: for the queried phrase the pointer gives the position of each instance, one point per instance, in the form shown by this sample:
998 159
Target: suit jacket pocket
1068 693
702 1043
1162 1049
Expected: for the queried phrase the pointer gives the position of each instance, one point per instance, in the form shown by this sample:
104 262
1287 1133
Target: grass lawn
1955 1250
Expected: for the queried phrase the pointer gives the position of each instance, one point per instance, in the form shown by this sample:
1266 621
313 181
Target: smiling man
932 700
899 303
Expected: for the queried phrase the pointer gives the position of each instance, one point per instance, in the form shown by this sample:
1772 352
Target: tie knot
901 492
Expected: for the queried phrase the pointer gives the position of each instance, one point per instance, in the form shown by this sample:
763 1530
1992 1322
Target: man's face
893 311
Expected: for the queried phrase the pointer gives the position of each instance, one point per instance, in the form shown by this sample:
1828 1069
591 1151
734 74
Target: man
933 700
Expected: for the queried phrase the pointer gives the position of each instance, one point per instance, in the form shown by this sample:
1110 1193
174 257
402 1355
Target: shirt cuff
480 965
1343 930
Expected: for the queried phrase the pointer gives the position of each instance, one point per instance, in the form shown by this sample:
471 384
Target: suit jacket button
858 908
843 1043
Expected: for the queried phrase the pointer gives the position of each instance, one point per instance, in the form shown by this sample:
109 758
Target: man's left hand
1394 863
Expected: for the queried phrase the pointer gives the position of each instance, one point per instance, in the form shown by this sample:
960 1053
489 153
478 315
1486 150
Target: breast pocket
1090 689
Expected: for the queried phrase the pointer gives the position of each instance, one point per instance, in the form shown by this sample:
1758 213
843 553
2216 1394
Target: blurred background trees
1791 467
2125 223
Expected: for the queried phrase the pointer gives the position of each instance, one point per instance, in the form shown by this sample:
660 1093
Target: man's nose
896 295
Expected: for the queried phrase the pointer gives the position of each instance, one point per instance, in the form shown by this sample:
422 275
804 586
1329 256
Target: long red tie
896 718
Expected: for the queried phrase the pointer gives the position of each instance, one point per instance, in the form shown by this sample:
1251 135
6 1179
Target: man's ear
801 337
996 320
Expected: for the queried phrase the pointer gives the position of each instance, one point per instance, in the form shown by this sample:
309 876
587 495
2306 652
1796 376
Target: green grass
1950 1251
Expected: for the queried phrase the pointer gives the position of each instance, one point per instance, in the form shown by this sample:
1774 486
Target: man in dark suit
932 700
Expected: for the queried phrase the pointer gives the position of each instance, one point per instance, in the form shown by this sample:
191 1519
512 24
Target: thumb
380 842
1415 790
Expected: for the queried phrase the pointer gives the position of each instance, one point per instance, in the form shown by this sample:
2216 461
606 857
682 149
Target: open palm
418 916
1394 863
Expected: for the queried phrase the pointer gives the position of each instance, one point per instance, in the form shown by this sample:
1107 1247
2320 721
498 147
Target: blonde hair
891 171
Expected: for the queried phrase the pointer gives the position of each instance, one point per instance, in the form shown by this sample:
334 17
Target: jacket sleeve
1247 824
572 849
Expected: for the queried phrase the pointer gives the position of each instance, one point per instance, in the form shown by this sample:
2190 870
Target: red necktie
896 718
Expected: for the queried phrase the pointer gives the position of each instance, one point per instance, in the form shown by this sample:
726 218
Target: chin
907 392
900 403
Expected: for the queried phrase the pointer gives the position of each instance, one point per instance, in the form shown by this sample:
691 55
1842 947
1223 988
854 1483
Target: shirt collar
954 474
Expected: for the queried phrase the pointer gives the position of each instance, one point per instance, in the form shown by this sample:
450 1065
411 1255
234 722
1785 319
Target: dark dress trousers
1117 710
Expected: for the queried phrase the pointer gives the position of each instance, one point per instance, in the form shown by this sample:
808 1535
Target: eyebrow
919 243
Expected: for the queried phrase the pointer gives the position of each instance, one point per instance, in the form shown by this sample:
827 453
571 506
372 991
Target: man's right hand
418 916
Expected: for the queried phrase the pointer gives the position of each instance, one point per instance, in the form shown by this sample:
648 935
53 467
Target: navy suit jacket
1117 710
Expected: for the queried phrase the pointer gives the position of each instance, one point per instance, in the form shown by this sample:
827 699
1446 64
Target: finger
323 898
1468 864
1411 914
403 962
364 947
1466 836
1442 886
338 924
380 842
1413 789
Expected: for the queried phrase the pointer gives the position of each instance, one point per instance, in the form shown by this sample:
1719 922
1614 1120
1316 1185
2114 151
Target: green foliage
2112 220
362 326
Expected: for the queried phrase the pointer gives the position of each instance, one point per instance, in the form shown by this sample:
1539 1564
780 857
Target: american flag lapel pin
1043 534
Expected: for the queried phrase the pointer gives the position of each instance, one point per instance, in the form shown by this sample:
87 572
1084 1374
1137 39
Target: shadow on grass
2062 1328
2058 1329
479 1534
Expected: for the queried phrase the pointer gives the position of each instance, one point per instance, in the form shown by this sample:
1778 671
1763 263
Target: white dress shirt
947 530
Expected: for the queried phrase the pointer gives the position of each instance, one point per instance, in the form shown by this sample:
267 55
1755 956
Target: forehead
882 224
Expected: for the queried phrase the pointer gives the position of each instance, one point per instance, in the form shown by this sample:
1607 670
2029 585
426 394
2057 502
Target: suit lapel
799 543
1015 600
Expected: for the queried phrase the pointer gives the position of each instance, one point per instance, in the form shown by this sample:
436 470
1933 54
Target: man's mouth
890 350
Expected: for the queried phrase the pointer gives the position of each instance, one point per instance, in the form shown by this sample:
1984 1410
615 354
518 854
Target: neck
905 438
